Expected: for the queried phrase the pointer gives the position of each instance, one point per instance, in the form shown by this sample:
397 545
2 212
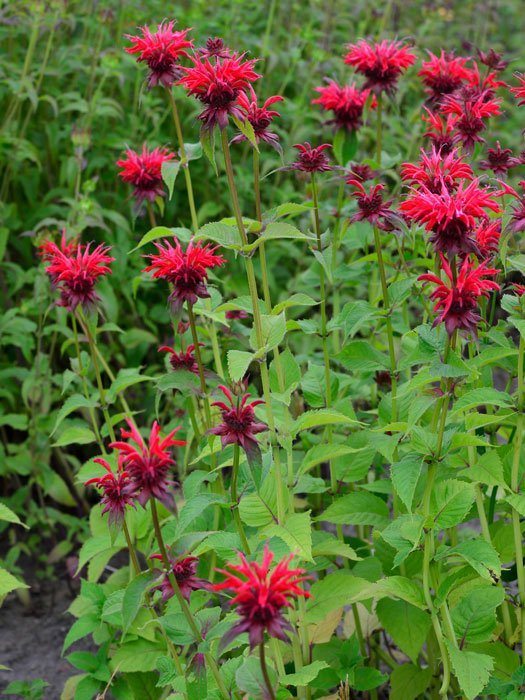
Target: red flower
261 594
148 465
499 160
144 172
443 74
436 169
162 51
519 289
218 84
519 90
441 130
450 216
471 111
184 359
259 117
517 219
236 314
75 272
214 48
381 63
493 60
487 235
346 102
186 270
183 569
48 249
457 302
371 207
311 160
361 172
118 491
239 425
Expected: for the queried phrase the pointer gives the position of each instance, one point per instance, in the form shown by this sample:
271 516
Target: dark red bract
499 160
260 596
183 568
185 359
381 63
493 60
144 171
347 103
259 117
217 83
371 207
118 491
162 51
310 159
214 48
186 270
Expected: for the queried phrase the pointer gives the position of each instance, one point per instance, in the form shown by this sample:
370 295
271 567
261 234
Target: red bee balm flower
261 594
487 235
443 74
76 271
217 83
493 60
346 102
371 207
450 216
118 491
380 63
214 48
184 359
186 270
499 160
441 131
519 90
162 51
470 112
144 172
259 117
457 302
148 465
183 569
239 425
436 169
311 160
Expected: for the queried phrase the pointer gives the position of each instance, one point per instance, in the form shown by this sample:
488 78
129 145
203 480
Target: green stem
198 357
264 670
379 129
235 500
92 415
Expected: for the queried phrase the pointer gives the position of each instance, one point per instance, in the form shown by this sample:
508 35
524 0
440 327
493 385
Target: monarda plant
322 495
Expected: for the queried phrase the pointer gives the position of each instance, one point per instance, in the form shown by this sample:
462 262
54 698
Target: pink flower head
76 271
144 171
118 491
239 425
214 48
259 117
184 569
184 359
162 51
441 130
492 60
347 103
499 160
217 83
487 236
450 216
148 464
186 270
436 169
260 596
457 301
471 113
517 219
361 172
381 63
310 159
443 74
47 249
519 90
371 207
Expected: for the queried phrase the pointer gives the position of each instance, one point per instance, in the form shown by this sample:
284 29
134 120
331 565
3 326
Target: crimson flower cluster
184 570
444 74
261 594
118 491
371 206
144 171
347 102
185 359
311 159
260 117
381 63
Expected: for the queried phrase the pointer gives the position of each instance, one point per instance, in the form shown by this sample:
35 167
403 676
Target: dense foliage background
72 101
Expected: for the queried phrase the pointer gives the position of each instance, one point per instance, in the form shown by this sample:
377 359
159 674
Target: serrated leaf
305 675
333 591
408 682
471 669
360 356
160 232
324 453
474 616
296 532
9 583
482 397
358 508
75 435
451 501
405 475
318 418
133 597
407 625
8 516
73 403
137 655
238 363
479 554
224 235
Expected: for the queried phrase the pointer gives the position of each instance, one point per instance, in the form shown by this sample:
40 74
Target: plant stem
131 548
264 670
235 500
198 357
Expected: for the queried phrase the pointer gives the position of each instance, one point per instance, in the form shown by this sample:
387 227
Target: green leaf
324 453
17 421
408 682
273 331
224 235
333 591
296 533
398 587
207 140
75 436
246 128
73 403
451 501
169 171
194 507
488 470
474 617
479 554
405 475
193 151
407 625
355 315
305 676
345 146
318 418
238 363
181 379
329 546
299 299
8 516
258 509
471 669
479 397
277 231
517 501
138 655
9 583
360 356
358 508
159 232
250 679
133 597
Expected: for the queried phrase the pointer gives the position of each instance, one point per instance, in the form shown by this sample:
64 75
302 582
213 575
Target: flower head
310 159
118 491
371 207
519 90
144 171
487 236
148 464
361 172
239 425
217 83
75 271
443 74
441 130
517 219
238 314
214 48
47 249
183 568
186 270
471 111
347 103
260 595
259 117
499 160
457 301
492 60
436 169
450 216
162 51
381 63
184 359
